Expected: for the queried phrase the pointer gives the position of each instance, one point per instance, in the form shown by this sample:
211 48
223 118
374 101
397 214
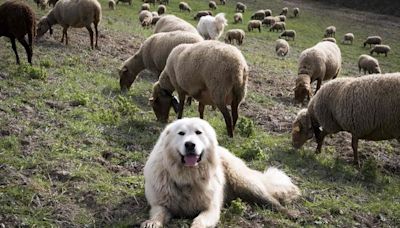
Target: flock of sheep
192 62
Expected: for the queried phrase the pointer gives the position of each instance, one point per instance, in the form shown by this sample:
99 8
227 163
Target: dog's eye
198 132
181 133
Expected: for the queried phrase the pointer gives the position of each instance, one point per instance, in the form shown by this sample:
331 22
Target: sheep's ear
152 100
296 128
175 104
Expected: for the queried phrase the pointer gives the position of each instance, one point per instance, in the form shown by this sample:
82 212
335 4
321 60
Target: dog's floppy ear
175 103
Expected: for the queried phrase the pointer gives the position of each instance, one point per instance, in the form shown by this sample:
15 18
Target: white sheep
212 5
240 7
211 28
284 11
237 17
72 13
287 34
145 18
278 26
234 34
212 72
170 23
330 31
111 4
183 6
380 48
373 40
254 24
145 6
368 64
281 47
259 15
281 18
268 12
270 20
296 12
348 38
161 9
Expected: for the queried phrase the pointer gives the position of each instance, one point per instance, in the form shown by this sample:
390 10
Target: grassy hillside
72 147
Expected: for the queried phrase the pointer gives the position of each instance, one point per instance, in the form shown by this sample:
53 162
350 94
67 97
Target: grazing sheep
348 37
282 47
368 64
183 6
240 7
281 18
211 28
154 14
212 72
318 63
18 19
145 18
330 31
373 40
330 39
268 12
238 17
296 12
170 23
254 24
145 6
259 15
154 20
52 2
161 9
72 13
234 34
111 4
380 48
223 2
287 34
125 1
202 14
212 5
268 21
366 107
164 2
153 55
278 26
284 11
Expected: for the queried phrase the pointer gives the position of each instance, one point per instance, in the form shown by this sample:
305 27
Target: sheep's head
376 69
301 129
127 75
161 102
303 88
43 26
281 52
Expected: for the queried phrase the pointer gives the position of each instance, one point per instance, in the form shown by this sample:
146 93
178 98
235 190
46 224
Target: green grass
72 147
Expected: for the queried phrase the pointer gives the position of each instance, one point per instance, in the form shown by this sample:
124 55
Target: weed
245 127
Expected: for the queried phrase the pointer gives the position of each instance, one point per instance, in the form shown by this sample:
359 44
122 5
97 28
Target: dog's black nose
190 146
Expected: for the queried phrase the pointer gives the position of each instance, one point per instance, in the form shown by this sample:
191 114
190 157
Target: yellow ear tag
296 129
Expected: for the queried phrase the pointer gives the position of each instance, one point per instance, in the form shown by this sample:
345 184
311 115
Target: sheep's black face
125 79
42 27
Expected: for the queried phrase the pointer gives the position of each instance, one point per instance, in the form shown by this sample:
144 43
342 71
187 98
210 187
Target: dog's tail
279 185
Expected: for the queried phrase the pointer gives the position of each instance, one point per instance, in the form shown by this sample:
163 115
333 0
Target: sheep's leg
28 49
319 82
89 28
227 117
354 145
14 47
319 136
65 34
201 110
97 34
181 97
235 114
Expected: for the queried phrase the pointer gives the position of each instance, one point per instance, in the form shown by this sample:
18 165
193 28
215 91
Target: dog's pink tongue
191 160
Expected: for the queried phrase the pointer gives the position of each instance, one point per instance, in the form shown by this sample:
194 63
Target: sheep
150 2
212 5
42 4
318 63
223 2
240 7
282 47
254 24
330 31
278 26
363 106
268 12
154 20
200 14
281 18
145 6
111 4
52 2
234 34
238 17
183 6
126 1
154 14
268 21
373 40
161 9
259 15
164 2
17 20
296 12
348 37
380 48
170 23
287 34
212 72
284 11
330 39
153 54
211 28
368 64
145 18
72 13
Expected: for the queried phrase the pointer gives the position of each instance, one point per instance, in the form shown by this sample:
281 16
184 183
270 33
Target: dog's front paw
197 224
151 224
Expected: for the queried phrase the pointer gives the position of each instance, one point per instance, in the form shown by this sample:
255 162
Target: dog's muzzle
191 158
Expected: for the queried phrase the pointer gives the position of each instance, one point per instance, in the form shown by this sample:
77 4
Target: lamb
284 11
281 18
183 6
368 64
18 19
72 13
296 12
373 40
330 39
362 106
235 34
268 21
240 7
211 28
281 47
170 23
145 18
145 6
318 63
380 48
212 5
111 4
161 9
330 31
254 24
268 12
212 72
238 17
126 1
348 37
278 26
153 55
287 34
259 15
202 14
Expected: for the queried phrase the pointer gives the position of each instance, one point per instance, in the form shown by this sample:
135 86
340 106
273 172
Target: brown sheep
234 34
254 24
373 40
379 49
240 7
278 26
238 17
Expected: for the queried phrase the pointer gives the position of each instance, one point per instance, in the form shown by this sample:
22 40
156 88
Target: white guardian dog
189 175
211 28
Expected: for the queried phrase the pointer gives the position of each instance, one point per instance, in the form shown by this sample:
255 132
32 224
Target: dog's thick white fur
211 28
189 175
